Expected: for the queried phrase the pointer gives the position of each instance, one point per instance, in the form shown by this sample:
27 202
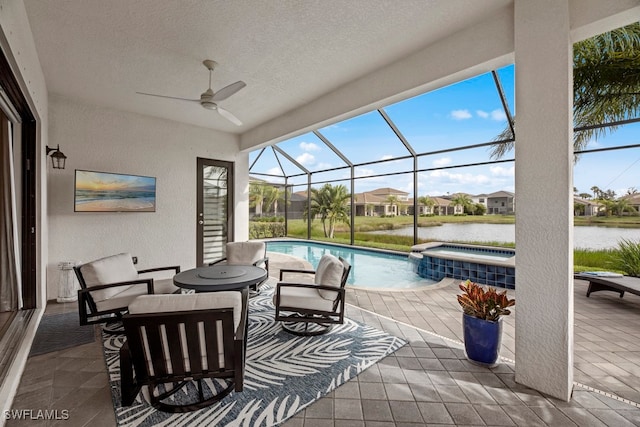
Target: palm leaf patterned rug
283 374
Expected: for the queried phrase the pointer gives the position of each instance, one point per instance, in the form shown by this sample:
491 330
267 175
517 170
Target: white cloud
502 171
306 159
309 146
360 172
386 157
450 181
275 171
461 114
498 115
459 179
442 162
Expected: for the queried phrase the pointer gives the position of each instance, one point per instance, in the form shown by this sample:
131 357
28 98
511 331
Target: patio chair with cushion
175 340
313 308
246 253
108 285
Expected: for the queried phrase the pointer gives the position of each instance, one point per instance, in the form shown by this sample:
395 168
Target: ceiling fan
209 98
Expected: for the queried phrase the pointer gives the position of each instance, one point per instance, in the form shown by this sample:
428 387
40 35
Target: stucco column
544 189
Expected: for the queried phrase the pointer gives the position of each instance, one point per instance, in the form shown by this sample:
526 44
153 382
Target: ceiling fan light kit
209 98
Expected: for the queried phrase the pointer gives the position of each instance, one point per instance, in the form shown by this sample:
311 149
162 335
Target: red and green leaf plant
483 303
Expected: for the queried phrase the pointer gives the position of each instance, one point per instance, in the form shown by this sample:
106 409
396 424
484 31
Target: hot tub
482 264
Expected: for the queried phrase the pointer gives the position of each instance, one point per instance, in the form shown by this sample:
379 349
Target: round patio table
220 278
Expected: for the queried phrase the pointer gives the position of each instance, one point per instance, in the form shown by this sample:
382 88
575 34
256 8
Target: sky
466 113
88 180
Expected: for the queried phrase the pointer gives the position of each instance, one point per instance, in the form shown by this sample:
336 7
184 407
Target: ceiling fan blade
227 91
170 97
227 115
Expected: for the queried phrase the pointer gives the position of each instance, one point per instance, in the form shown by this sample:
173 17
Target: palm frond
606 86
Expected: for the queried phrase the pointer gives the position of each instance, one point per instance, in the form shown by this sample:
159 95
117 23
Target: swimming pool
370 269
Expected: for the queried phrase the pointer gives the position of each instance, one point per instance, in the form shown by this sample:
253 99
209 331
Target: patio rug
60 331
284 373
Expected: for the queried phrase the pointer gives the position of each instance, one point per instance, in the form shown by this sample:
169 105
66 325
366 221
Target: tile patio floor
427 382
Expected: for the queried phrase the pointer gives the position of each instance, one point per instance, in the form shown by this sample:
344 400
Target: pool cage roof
430 144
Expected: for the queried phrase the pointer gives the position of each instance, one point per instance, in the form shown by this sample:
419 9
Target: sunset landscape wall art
113 192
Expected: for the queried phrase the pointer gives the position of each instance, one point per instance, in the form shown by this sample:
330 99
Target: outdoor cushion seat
122 299
307 298
108 285
179 339
246 253
313 308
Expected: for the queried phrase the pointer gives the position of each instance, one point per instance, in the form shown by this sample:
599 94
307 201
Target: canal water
585 237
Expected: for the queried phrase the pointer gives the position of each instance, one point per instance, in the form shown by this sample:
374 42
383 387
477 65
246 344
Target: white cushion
122 299
306 298
129 293
175 303
245 253
329 273
190 302
111 269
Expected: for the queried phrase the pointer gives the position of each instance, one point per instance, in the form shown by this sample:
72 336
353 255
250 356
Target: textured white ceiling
288 52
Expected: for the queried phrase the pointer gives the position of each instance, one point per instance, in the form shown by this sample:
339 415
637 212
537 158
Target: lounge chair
609 282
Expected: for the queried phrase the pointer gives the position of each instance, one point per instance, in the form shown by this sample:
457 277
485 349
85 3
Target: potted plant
482 321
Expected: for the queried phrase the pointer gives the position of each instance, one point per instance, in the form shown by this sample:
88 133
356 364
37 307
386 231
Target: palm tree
606 85
584 195
622 205
257 194
596 191
609 206
393 201
463 200
428 202
339 207
272 196
331 205
608 195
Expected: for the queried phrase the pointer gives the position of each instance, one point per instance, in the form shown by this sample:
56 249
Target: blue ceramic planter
482 339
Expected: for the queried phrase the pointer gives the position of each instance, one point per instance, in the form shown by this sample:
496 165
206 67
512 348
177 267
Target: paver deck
427 382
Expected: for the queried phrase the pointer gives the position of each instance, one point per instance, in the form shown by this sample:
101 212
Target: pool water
370 269
470 253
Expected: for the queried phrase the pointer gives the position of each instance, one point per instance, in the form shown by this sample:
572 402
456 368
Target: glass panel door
215 209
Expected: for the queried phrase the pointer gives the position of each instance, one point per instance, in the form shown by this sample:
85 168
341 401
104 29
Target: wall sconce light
57 157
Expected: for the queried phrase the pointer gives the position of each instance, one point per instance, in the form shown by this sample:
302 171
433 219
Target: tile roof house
583 207
378 203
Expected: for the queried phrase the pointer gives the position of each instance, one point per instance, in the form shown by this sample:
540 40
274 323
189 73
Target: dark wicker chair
313 308
166 345
109 284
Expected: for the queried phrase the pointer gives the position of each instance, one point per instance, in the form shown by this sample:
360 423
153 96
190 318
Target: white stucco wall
95 138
